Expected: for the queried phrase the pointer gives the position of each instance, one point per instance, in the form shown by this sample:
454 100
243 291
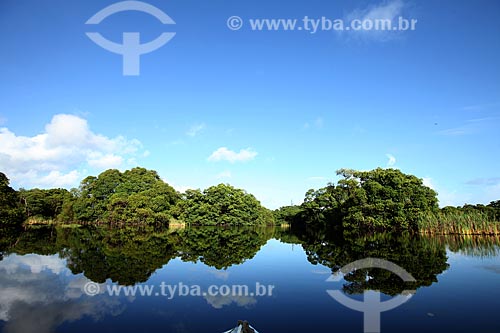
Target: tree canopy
134 196
137 196
376 200
223 205
47 204
11 212
373 200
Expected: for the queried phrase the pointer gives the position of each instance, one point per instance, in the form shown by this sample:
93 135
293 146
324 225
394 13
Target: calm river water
206 279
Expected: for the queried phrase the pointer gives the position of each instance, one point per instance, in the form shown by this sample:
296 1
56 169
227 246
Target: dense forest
134 197
361 201
387 199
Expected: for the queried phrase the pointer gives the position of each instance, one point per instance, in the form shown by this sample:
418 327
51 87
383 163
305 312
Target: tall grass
458 223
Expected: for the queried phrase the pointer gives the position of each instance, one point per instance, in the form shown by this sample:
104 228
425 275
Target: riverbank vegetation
360 202
467 220
10 209
134 197
388 200
366 201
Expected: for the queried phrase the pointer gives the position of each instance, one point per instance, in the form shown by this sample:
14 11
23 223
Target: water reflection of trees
126 256
221 247
39 240
8 237
131 255
424 258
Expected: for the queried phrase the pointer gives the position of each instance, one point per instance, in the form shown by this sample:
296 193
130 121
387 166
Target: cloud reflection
38 293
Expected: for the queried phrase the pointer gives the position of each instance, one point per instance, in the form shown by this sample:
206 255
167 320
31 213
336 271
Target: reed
458 223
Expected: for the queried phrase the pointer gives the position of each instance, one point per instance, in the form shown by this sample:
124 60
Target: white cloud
276 196
54 157
472 126
492 193
224 154
391 160
177 187
108 161
224 174
452 198
181 188
218 301
34 262
457 131
480 107
445 196
428 182
488 188
317 123
58 179
177 142
480 190
195 129
223 275
39 293
389 10
321 272
492 181
317 178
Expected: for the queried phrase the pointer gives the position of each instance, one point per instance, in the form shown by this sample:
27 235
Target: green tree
223 205
46 204
11 212
495 205
373 200
135 196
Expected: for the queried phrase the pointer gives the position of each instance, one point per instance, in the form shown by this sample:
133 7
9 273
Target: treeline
361 201
136 196
375 200
10 208
387 199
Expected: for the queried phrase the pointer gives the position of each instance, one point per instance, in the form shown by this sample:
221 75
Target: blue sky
273 112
